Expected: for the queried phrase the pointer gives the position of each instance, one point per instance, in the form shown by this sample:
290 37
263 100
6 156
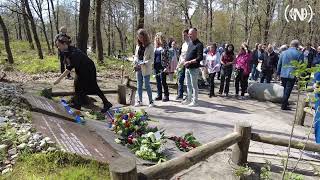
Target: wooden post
122 92
300 113
123 168
240 149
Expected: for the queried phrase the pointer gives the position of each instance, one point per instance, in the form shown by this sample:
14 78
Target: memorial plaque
73 137
47 106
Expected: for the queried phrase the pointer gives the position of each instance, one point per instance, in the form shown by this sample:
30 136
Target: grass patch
57 165
27 60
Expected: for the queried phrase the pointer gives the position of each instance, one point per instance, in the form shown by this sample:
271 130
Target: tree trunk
211 21
6 41
93 42
83 35
34 29
134 14
109 28
207 18
26 25
141 14
75 19
19 27
269 15
98 31
51 27
38 10
55 17
246 14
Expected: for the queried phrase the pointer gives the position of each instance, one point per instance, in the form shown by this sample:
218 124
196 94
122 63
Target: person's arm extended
64 74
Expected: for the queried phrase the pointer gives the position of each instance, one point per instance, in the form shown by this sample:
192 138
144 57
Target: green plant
293 176
243 171
265 171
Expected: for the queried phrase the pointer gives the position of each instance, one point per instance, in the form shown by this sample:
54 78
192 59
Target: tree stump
123 168
300 113
122 91
240 149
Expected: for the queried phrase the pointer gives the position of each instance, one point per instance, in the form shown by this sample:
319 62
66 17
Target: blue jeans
181 76
147 85
192 84
288 84
317 119
254 72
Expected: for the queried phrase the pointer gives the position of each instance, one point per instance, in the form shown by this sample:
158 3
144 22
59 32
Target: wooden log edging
123 168
309 146
241 148
173 166
68 93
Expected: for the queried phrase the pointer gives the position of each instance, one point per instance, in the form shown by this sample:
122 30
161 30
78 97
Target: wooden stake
240 149
123 168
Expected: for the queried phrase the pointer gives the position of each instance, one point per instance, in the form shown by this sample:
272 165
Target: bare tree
26 24
6 40
83 35
34 29
141 14
93 28
39 11
51 26
98 31
55 15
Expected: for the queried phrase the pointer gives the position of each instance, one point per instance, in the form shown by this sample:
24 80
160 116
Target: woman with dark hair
85 82
242 69
227 60
143 60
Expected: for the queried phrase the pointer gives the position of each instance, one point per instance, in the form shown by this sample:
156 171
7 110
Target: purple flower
125 117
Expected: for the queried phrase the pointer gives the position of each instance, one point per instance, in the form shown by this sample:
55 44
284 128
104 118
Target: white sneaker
151 105
138 104
186 102
193 104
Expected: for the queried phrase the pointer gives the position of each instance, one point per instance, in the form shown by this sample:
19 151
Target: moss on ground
57 165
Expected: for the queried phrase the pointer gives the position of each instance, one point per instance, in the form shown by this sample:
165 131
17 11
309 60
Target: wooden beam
169 168
122 92
68 93
285 142
240 149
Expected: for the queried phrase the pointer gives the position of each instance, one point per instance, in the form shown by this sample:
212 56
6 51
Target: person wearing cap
285 69
62 32
85 82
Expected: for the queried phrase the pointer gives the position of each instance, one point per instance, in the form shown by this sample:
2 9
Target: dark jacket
195 51
255 57
312 54
270 61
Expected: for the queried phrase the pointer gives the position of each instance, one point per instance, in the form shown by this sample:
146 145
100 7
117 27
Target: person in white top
180 67
212 63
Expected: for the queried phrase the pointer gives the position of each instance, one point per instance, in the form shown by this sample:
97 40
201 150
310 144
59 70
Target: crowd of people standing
194 61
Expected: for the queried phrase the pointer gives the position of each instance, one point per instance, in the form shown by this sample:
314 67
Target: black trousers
288 85
225 79
266 76
211 81
242 80
161 78
80 95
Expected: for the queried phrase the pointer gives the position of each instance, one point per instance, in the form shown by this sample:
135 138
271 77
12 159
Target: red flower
131 115
127 124
130 140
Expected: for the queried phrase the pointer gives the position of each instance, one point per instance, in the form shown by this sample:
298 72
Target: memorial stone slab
74 138
266 92
47 106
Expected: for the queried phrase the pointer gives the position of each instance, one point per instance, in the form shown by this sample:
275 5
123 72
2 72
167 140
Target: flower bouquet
134 132
185 143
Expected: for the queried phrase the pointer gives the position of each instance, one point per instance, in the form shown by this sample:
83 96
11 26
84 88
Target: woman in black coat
85 82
